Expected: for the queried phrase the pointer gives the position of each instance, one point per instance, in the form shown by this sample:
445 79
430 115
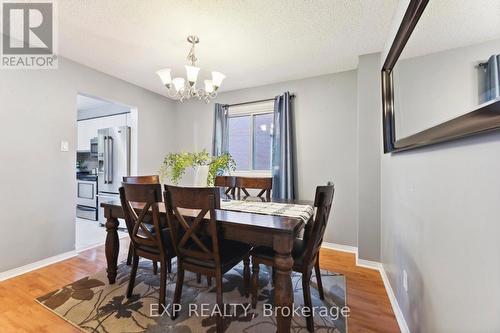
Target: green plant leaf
175 164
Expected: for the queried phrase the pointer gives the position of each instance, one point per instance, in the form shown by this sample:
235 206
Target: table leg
112 247
283 291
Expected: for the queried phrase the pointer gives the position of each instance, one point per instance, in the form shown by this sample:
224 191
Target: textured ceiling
253 42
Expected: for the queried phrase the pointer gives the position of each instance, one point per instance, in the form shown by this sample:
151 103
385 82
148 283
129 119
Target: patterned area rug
95 306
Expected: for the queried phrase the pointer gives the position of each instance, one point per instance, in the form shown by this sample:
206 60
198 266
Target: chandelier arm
171 93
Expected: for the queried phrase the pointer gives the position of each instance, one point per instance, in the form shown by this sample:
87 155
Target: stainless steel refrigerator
113 155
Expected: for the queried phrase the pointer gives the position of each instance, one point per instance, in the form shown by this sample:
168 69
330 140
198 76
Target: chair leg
246 275
306 277
255 282
318 279
169 265
133 273
163 285
155 267
209 281
274 275
130 254
220 304
198 278
178 286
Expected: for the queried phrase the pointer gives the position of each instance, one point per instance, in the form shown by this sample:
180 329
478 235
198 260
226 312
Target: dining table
275 231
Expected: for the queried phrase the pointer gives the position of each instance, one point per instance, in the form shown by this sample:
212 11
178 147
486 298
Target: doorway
106 144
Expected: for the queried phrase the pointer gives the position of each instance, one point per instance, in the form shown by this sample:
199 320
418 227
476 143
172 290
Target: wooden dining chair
139 201
199 243
305 251
153 179
264 184
228 183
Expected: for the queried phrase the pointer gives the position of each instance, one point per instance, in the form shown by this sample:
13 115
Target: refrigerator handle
105 171
110 160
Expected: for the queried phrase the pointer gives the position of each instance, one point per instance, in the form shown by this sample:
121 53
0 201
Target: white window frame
251 110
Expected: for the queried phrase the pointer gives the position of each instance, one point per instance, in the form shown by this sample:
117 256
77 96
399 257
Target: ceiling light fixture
177 87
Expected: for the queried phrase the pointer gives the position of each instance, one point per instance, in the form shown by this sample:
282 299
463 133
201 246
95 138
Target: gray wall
440 222
326 135
369 152
456 87
38 110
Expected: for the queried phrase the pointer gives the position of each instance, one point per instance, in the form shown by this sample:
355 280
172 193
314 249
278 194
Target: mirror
446 71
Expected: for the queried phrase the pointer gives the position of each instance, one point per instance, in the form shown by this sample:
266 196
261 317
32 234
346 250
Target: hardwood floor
367 298
370 307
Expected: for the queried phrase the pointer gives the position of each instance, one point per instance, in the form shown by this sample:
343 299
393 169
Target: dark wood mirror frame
484 118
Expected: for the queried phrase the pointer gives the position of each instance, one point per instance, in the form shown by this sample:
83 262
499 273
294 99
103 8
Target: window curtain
220 136
493 78
283 149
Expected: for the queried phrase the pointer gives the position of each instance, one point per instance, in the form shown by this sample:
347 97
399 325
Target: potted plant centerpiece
195 169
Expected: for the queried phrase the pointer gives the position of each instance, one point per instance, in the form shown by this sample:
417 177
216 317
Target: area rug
93 305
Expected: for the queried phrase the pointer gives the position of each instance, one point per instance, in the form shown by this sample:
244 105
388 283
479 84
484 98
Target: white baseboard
368 264
36 265
340 247
379 267
121 235
403 326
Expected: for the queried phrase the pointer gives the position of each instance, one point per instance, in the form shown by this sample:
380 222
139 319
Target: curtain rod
257 101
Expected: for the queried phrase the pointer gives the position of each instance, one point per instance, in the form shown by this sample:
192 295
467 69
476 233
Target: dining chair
305 251
153 179
228 183
139 201
264 184
199 244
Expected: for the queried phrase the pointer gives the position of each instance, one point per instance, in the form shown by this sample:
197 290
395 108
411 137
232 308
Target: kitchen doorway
106 151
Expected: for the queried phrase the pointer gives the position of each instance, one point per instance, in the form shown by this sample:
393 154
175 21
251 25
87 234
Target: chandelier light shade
209 87
186 89
192 74
178 84
165 77
217 79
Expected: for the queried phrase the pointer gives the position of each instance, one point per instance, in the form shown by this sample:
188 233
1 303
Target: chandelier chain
191 56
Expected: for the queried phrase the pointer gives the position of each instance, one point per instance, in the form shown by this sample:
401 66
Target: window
250 136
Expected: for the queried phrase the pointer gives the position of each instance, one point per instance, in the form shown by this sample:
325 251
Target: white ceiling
253 42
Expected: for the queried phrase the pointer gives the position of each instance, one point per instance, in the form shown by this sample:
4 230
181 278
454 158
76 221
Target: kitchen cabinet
87 129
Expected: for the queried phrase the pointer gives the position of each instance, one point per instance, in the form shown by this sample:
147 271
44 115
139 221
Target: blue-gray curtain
283 149
492 86
220 136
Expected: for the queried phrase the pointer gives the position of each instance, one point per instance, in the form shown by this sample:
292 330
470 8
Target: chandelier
177 87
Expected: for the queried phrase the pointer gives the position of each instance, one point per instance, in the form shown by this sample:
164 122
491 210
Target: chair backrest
188 237
228 182
153 179
265 184
140 209
323 205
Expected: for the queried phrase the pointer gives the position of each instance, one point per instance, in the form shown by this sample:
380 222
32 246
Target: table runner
303 212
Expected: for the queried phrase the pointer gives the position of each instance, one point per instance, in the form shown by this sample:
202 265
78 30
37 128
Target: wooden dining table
276 232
